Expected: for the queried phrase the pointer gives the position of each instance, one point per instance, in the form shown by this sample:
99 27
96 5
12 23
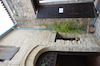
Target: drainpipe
95 19
36 28
44 28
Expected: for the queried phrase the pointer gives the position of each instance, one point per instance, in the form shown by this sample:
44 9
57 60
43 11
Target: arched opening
68 59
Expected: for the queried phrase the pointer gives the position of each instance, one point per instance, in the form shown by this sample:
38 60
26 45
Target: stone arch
34 54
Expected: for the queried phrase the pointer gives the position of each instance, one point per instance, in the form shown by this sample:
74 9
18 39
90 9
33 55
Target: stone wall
24 10
97 27
27 18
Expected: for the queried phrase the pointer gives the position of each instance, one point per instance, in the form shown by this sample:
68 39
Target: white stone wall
97 27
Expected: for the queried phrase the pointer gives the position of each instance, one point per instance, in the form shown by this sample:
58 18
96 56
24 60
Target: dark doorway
68 59
68 10
77 60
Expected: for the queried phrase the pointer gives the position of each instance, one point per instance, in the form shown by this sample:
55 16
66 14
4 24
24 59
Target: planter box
67 36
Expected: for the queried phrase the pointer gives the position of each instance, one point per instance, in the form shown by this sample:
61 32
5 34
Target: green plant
16 15
72 26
